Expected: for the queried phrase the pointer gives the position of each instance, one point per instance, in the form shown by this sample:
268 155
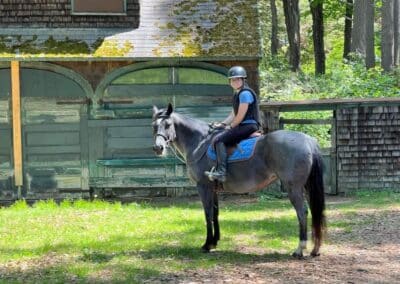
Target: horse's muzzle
158 149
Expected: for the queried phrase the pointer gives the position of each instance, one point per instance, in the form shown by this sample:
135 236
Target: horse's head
163 129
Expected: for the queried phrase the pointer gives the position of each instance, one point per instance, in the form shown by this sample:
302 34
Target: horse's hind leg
206 195
297 199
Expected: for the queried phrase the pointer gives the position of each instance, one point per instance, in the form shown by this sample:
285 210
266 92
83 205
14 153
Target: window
145 76
200 76
99 7
174 75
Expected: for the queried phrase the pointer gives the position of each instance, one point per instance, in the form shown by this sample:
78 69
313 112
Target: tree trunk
347 28
274 29
396 16
292 20
317 11
358 31
369 34
387 44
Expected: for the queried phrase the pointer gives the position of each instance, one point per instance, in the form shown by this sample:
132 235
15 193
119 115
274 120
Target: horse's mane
191 123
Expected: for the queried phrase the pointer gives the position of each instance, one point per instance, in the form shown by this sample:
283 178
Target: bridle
177 153
174 150
166 139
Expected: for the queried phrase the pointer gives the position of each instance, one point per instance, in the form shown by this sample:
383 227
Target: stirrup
213 175
210 174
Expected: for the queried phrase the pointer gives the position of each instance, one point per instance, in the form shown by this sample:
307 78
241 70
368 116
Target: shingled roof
167 29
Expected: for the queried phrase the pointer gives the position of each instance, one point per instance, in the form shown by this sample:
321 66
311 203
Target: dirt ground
369 253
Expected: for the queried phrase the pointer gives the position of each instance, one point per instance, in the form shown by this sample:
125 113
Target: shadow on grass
194 254
61 273
128 266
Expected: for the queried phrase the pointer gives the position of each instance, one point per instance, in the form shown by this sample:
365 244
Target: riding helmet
237 72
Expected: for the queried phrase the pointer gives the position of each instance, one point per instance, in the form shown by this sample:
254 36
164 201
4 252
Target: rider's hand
218 125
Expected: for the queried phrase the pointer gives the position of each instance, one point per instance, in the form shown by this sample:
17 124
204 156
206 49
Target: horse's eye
167 124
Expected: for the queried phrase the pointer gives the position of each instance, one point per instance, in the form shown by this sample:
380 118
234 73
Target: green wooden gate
54 133
120 127
6 164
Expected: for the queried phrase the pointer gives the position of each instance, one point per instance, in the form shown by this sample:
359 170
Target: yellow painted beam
17 129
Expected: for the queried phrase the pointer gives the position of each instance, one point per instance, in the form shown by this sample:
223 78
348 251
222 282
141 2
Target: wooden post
270 120
16 123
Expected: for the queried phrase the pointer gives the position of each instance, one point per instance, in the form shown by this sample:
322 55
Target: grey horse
292 157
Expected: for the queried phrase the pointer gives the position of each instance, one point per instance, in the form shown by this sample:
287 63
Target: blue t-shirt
247 98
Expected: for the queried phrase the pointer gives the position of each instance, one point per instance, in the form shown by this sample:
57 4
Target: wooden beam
328 104
16 117
305 121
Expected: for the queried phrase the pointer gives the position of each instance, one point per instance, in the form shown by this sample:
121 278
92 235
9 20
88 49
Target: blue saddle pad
243 151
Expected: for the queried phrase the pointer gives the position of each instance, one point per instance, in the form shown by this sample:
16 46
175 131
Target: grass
99 241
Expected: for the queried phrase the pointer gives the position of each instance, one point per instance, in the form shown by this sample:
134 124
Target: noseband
167 140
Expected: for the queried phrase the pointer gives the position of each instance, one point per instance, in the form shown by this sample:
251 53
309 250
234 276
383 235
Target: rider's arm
229 119
245 99
240 114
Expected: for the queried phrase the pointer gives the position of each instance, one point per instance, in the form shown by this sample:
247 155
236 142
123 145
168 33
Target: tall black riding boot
220 173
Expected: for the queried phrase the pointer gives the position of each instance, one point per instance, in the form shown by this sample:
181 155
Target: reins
179 155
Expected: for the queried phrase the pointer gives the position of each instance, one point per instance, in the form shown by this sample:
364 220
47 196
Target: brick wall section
368 148
57 14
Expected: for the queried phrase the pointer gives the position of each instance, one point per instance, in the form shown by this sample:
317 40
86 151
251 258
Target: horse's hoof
205 249
314 254
208 247
298 255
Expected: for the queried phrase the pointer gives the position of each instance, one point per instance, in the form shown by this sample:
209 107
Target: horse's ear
169 109
155 110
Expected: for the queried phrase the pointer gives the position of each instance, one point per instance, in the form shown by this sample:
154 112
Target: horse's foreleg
206 195
215 220
297 200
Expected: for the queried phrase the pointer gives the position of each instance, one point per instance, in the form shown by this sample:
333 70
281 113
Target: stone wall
57 14
368 148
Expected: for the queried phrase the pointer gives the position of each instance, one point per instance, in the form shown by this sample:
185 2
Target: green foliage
321 132
343 80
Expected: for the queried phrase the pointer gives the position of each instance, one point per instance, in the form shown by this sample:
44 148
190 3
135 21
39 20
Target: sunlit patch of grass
100 242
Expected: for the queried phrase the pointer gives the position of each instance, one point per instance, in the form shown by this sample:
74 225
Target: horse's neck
189 133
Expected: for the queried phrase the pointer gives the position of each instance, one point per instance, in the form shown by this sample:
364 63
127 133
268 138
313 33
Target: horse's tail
315 187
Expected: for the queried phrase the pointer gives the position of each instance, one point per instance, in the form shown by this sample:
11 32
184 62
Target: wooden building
78 80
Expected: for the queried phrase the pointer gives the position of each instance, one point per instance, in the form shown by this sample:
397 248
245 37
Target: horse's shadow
190 254
193 254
